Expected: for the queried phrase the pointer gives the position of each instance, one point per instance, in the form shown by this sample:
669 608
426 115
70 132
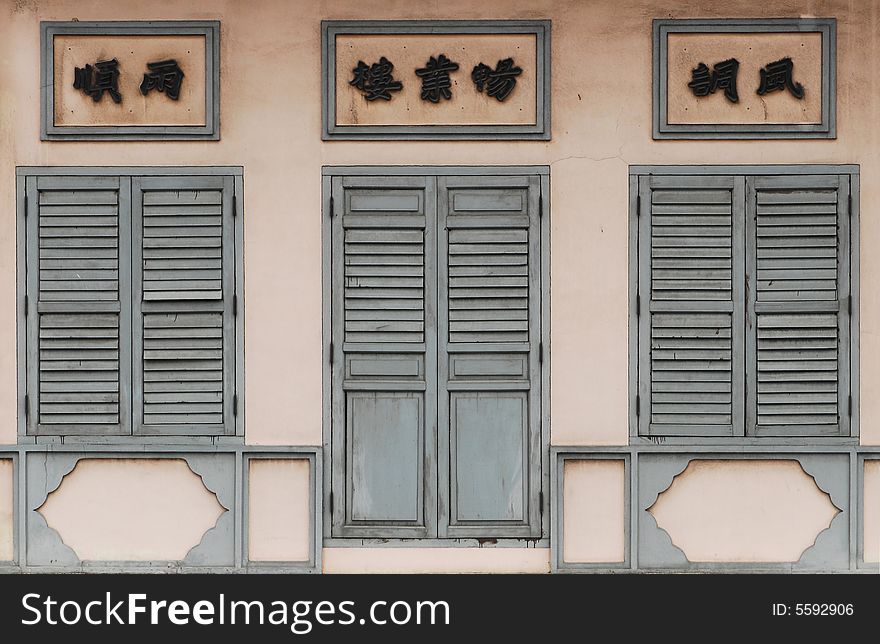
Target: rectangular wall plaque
436 79
130 80
745 78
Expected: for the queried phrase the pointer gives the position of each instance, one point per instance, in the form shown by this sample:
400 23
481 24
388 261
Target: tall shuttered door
489 361
799 288
436 375
77 310
691 283
384 352
183 297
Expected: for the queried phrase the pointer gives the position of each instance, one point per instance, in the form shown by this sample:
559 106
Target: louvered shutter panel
691 288
384 364
489 334
799 319
78 304
183 296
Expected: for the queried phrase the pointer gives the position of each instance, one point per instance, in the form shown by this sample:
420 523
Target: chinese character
164 76
375 81
435 78
500 82
778 76
94 81
723 76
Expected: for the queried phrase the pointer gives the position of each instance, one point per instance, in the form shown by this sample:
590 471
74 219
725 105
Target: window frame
328 175
236 425
739 171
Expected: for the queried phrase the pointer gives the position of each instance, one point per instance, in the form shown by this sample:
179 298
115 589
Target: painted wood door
436 326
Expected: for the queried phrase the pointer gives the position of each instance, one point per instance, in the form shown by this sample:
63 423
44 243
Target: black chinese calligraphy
779 76
164 76
436 83
375 81
722 76
499 82
94 81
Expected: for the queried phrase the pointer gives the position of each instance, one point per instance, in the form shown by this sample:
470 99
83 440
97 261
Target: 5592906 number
823 609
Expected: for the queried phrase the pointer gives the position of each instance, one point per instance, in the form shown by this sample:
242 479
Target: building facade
406 287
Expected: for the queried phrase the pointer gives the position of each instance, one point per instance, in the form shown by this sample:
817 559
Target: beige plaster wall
593 511
436 560
743 511
278 510
872 511
131 509
601 109
6 501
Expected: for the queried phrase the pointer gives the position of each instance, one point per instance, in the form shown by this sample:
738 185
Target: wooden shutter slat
82 198
181 198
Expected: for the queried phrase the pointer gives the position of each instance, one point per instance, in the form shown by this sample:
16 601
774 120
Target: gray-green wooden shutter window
79 306
744 289
130 284
435 293
183 331
692 375
798 262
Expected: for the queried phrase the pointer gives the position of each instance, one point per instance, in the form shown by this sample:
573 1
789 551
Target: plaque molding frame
827 129
210 29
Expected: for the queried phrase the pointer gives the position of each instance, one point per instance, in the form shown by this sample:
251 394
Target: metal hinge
235 405
849 304
234 206
638 305
331 503
540 353
541 503
234 305
849 405
332 209
331 353
26 305
540 206
27 406
850 205
638 405
639 205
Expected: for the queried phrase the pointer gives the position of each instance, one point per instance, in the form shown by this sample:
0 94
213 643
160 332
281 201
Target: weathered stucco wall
435 560
601 107
594 511
278 510
871 533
